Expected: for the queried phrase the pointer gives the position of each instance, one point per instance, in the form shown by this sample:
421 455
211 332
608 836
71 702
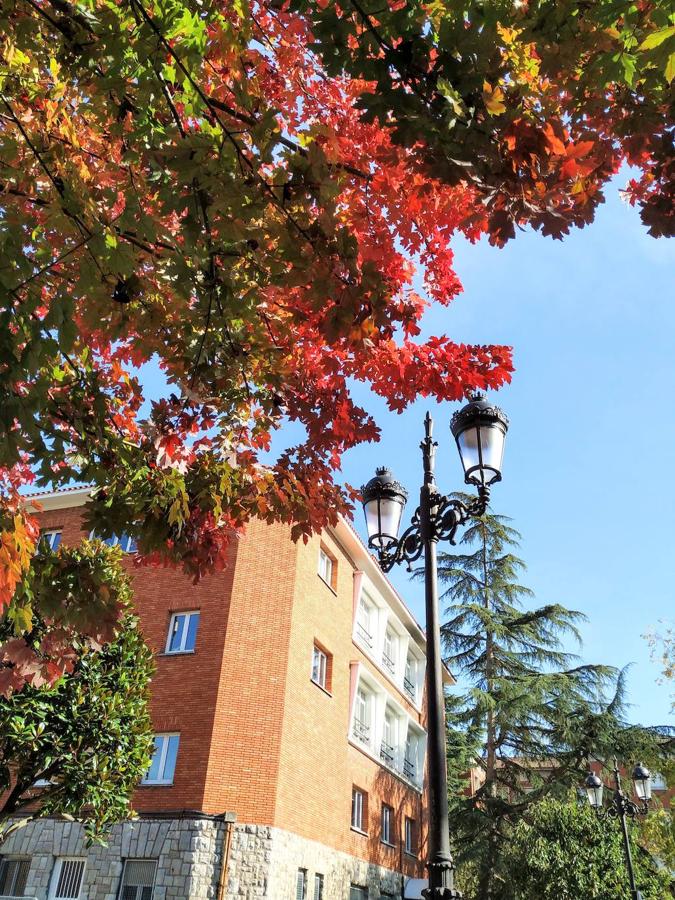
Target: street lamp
621 807
479 429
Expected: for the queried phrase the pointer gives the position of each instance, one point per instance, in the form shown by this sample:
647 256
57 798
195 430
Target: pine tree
531 714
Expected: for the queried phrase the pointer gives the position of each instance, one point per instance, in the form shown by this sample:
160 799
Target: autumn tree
86 740
531 715
244 193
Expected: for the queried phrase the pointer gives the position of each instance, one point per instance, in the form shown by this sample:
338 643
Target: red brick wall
257 736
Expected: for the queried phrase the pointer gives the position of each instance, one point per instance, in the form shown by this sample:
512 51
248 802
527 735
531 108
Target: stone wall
187 853
264 861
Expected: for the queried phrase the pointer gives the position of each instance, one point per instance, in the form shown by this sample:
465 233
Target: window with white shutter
301 885
13 876
138 879
67 879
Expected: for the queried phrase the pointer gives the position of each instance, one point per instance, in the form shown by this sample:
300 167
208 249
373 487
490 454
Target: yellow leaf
657 37
670 68
493 99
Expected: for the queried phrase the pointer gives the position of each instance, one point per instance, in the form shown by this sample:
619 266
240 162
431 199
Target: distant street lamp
622 807
479 429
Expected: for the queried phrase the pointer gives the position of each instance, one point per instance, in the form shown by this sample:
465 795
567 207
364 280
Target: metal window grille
69 882
409 688
364 635
362 731
409 768
13 877
387 753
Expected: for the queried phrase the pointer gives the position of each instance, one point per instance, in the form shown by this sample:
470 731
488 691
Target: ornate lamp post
622 807
479 429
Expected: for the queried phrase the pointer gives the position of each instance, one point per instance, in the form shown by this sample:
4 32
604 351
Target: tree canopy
529 715
562 851
88 737
244 193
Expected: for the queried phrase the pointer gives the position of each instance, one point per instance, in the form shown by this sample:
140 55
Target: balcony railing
409 769
364 636
387 753
410 688
388 663
361 731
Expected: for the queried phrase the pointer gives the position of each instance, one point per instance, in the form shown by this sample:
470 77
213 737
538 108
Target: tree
562 851
531 715
213 187
662 650
88 736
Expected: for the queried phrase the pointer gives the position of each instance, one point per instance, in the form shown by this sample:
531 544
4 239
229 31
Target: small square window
67 879
13 876
327 567
318 886
387 824
410 837
356 892
182 632
163 763
138 879
50 538
359 808
322 666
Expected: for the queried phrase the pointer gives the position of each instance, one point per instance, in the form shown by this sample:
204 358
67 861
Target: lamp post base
441 880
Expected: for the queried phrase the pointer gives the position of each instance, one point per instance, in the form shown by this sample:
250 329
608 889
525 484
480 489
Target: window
364 616
410 678
138 879
327 567
410 836
362 716
163 763
318 886
13 876
410 761
389 741
386 825
124 541
389 651
182 632
359 808
356 892
301 884
67 879
659 782
50 538
320 667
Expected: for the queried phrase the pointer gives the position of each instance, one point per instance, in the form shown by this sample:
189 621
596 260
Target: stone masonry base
263 861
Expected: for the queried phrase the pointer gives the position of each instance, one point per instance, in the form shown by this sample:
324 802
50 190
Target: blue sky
590 454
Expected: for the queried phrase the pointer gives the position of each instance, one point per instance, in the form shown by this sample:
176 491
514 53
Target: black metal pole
439 859
620 806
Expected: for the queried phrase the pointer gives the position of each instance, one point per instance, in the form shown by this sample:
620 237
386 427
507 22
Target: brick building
290 739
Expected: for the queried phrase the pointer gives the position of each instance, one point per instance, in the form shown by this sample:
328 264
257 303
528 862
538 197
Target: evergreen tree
531 714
